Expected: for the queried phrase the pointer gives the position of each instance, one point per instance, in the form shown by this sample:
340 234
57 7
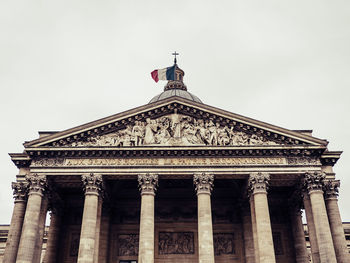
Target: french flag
163 74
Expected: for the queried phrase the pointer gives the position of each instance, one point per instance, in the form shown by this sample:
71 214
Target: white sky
64 63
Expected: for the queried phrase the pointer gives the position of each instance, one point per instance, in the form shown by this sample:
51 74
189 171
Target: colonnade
319 198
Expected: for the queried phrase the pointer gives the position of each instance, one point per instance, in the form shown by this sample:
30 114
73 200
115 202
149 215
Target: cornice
20 159
214 151
184 106
330 157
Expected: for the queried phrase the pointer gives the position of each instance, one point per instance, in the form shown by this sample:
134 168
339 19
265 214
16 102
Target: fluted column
93 187
204 185
147 185
258 184
247 233
337 230
41 230
37 186
315 254
53 236
14 235
314 183
295 203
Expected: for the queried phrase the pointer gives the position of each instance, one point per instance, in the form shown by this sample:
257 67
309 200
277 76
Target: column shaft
92 185
335 222
315 254
301 254
53 238
204 186
323 232
31 219
41 230
258 185
146 243
147 185
263 227
14 234
205 229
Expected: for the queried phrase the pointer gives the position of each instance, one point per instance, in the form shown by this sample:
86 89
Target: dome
176 87
175 92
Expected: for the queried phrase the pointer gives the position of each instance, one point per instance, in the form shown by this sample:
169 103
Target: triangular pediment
175 122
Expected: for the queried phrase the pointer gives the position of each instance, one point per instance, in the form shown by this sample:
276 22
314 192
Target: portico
176 180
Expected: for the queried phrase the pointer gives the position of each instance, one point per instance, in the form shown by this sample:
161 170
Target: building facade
176 180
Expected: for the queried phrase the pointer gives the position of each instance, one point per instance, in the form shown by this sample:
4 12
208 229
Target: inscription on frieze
210 161
176 243
222 161
224 244
128 244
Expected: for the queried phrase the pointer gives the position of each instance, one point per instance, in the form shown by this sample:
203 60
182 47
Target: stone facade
176 181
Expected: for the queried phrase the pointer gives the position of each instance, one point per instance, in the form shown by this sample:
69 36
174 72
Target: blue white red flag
163 74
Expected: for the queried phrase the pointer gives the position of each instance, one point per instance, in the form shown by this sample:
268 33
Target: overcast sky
65 63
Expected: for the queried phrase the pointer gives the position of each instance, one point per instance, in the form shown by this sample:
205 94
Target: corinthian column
258 184
147 185
314 183
14 235
204 185
37 186
93 187
53 236
335 222
295 203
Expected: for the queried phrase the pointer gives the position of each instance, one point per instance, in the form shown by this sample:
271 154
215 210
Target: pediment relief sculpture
174 130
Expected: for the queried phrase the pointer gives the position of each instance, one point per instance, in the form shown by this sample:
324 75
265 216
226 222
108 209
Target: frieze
128 244
174 129
176 243
210 161
223 243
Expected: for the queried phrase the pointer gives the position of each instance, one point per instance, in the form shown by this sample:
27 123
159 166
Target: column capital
19 191
148 183
37 184
92 183
258 183
314 181
331 189
204 183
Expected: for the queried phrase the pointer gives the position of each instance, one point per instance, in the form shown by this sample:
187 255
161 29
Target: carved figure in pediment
138 132
175 129
150 130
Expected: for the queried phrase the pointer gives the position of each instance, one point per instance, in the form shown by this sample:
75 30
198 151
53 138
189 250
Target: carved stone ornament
204 183
19 191
314 181
174 129
37 183
258 183
176 243
332 189
93 183
148 183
